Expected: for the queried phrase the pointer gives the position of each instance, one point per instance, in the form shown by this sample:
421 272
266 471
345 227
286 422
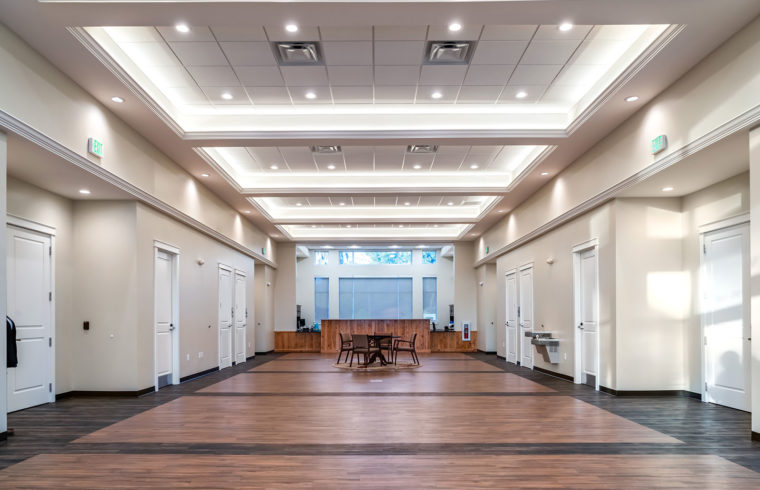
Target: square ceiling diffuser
302 53
417 149
449 52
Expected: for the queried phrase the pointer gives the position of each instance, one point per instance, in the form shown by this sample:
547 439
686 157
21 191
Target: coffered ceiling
212 85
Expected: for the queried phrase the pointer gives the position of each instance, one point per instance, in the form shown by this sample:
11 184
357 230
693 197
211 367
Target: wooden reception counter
402 328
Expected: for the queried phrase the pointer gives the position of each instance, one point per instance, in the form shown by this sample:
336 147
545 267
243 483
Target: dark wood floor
464 421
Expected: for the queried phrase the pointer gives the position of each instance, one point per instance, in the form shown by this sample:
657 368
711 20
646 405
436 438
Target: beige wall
285 288
754 205
721 87
3 311
264 279
465 284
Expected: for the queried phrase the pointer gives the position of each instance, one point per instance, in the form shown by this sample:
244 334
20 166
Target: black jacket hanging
12 355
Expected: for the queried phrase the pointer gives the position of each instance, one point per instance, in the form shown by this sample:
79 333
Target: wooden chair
406 346
386 343
361 346
346 345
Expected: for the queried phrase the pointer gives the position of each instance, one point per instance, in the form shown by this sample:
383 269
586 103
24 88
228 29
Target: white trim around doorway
174 252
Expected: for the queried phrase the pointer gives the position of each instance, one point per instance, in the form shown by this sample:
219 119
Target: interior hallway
372 430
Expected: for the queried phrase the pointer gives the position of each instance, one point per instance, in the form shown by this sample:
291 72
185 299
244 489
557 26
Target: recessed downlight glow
310 95
455 27
632 98
204 174
331 167
668 189
274 167
299 204
227 96
474 166
436 95
348 226
400 226
565 26
544 174
247 211
417 167
521 94
501 211
183 28
117 99
449 203
291 28
342 204
86 192
407 203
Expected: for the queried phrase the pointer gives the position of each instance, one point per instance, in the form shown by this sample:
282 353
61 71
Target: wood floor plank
373 472
369 419
430 365
315 355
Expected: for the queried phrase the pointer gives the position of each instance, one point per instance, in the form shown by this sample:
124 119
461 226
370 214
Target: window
320 258
429 257
394 257
321 299
430 298
375 297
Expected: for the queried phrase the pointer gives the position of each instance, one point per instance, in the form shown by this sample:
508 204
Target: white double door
233 316
30 306
519 313
725 303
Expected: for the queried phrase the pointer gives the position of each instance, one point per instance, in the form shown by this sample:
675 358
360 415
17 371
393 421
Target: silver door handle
172 327
580 327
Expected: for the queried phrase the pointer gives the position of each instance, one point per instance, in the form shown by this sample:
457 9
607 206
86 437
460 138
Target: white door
526 316
726 317
29 277
512 344
241 317
225 317
164 305
588 324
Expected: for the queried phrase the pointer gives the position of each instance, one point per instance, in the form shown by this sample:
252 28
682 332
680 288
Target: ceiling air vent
305 53
326 149
449 52
421 149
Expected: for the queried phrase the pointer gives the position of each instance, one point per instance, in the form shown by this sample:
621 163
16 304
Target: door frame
242 273
49 231
174 252
506 317
577 251
724 224
523 267
231 270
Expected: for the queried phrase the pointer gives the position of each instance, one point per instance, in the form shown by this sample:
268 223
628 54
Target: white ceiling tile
150 54
359 158
585 75
298 158
304 33
319 201
196 33
352 95
399 52
466 33
269 95
385 201
498 52
549 52
488 74
239 159
618 32
170 76
430 200
347 52
533 92
479 94
187 95
298 94
508 32
389 158
364 201
304 76
141 34
259 76
400 33
534 74
248 53
349 75
553 32
564 94
448 94
397 75
449 158
239 33
599 52
346 33
213 76
199 54
239 96
324 161
266 156
403 94
442 74
425 161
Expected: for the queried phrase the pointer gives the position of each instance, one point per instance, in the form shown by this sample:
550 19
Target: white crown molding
409 136
746 120
20 128
531 166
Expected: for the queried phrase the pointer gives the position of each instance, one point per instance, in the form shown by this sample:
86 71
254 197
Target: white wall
465 286
306 271
3 285
754 204
264 307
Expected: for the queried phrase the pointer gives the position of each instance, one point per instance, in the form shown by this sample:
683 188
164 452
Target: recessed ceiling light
473 234
117 99
436 95
544 174
474 166
501 211
331 167
342 204
274 167
299 204
310 95
313 226
394 246
227 96
348 226
204 174
182 28
291 28
247 211
400 226
455 27
84 191
449 203
521 94
407 203
565 26
435 226
668 189
632 98
417 166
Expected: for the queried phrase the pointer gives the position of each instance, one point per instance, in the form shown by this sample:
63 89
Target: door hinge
50 296
705 385
50 250
704 248
50 387
50 341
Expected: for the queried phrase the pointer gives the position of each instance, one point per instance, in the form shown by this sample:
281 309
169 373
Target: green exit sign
95 147
659 144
